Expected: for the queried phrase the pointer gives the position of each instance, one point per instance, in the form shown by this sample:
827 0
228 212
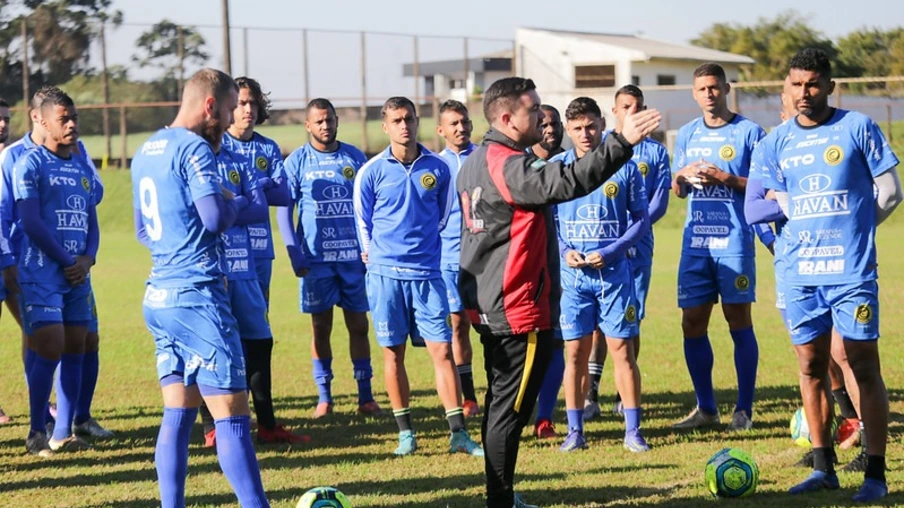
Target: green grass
354 454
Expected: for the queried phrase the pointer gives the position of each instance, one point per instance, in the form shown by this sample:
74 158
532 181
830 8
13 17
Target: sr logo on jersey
727 153
86 184
833 155
610 190
631 314
741 282
234 177
863 314
348 172
428 181
643 167
261 163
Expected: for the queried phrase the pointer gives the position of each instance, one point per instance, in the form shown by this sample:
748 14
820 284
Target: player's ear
383 125
831 86
210 106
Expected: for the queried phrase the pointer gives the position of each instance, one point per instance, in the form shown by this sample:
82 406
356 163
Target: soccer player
509 280
717 256
264 155
402 200
595 233
553 131
455 128
4 137
835 178
652 161
54 193
324 251
180 209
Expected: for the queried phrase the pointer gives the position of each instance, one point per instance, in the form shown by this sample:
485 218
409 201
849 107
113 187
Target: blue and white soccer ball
731 473
323 497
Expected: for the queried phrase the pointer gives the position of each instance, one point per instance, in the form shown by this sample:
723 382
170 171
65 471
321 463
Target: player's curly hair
814 60
262 99
581 107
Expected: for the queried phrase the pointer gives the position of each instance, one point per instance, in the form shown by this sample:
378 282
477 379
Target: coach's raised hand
638 125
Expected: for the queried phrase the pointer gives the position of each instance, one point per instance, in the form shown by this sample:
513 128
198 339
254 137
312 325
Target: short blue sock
746 359
363 372
323 376
67 387
549 392
40 383
238 462
698 353
171 454
90 368
575 420
632 419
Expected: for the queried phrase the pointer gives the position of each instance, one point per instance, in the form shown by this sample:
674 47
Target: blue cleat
818 480
407 443
461 442
871 490
520 503
634 442
574 441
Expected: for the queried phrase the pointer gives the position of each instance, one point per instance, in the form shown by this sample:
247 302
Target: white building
456 79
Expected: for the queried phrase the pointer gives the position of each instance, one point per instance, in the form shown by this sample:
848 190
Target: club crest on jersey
234 177
449 320
261 163
727 153
631 314
643 167
610 190
863 314
86 184
741 282
348 172
833 155
428 181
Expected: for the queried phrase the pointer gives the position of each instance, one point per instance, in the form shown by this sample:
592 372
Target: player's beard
551 146
325 141
213 132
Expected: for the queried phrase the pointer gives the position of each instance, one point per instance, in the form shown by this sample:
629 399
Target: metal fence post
364 141
123 136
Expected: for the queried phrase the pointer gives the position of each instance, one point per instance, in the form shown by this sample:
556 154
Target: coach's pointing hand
639 125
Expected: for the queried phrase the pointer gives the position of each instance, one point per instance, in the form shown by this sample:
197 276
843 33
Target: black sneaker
858 465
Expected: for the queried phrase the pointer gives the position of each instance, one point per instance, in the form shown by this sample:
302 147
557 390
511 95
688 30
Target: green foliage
170 47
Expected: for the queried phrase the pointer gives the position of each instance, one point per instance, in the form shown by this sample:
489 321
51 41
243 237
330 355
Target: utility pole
227 50
105 82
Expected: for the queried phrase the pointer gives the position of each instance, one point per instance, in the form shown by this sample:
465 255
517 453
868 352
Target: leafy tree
159 47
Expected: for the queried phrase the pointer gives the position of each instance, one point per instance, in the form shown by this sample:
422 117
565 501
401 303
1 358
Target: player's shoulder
566 156
374 164
655 146
262 140
852 118
747 125
352 151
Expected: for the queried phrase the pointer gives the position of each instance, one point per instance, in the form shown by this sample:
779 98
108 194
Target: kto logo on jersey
62 180
261 163
610 190
643 167
234 177
820 267
77 203
863 314
797 161
815 183
313 175
699 152
833 155
428 181
335 192
727 153
348 172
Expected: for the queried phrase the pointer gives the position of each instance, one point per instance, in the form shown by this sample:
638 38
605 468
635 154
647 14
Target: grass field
354 454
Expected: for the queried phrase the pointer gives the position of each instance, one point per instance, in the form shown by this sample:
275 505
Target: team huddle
547 253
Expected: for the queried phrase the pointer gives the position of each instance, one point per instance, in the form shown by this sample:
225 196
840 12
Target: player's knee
92 342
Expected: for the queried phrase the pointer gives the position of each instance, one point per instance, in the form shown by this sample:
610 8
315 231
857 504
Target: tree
869 51
170 47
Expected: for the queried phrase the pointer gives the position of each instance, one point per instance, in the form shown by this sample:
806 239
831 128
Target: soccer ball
731 473
323 497
800 430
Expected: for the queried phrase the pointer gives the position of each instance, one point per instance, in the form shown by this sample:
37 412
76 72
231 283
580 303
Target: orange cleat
544 429
369 408
280 434
471 408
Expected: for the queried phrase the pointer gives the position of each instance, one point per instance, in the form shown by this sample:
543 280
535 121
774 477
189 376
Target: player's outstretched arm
33 225
218 214
639 227
889 194
255 212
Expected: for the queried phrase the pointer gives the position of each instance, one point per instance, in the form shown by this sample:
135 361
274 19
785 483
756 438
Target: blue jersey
652 161
592 222
451 235
65 189
172 170
400 211
827 171
321 185
715 224
262 154
237 259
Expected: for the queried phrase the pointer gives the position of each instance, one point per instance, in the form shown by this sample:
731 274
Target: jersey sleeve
277 166
872 143
198 167
663 168
680 146
27 177
250 182
637 191
767 166
292 170
363 200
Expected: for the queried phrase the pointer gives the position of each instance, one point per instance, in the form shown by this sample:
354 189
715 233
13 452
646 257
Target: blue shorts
403 308
780 267
196 335
642 276
2 290
598 298
41 304
264 269
329 284
450 279
703 279
249 309
92 323
853 309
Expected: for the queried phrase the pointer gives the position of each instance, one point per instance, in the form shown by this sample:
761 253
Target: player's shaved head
208 102
321 104
207 83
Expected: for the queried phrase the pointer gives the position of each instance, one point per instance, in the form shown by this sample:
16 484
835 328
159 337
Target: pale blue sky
276 57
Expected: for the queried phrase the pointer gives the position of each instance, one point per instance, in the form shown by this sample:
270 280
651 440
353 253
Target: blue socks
746 358
171 454
323 375
549 392
363 373
632 419
90 366
40 383
575 420
68 387
698 353
238 461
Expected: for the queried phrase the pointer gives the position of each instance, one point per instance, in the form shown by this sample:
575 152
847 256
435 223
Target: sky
276 57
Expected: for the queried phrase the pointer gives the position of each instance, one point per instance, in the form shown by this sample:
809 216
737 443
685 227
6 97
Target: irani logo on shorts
261 163
863 314
610 190
742 282
428 181
727 153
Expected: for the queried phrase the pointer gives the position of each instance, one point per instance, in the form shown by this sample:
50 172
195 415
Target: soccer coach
509 280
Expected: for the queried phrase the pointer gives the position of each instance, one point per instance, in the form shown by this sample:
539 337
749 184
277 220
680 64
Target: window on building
456 84
635 80
594 76
665 79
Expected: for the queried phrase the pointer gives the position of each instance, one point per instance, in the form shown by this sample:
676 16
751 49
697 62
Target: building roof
648 49
500 61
